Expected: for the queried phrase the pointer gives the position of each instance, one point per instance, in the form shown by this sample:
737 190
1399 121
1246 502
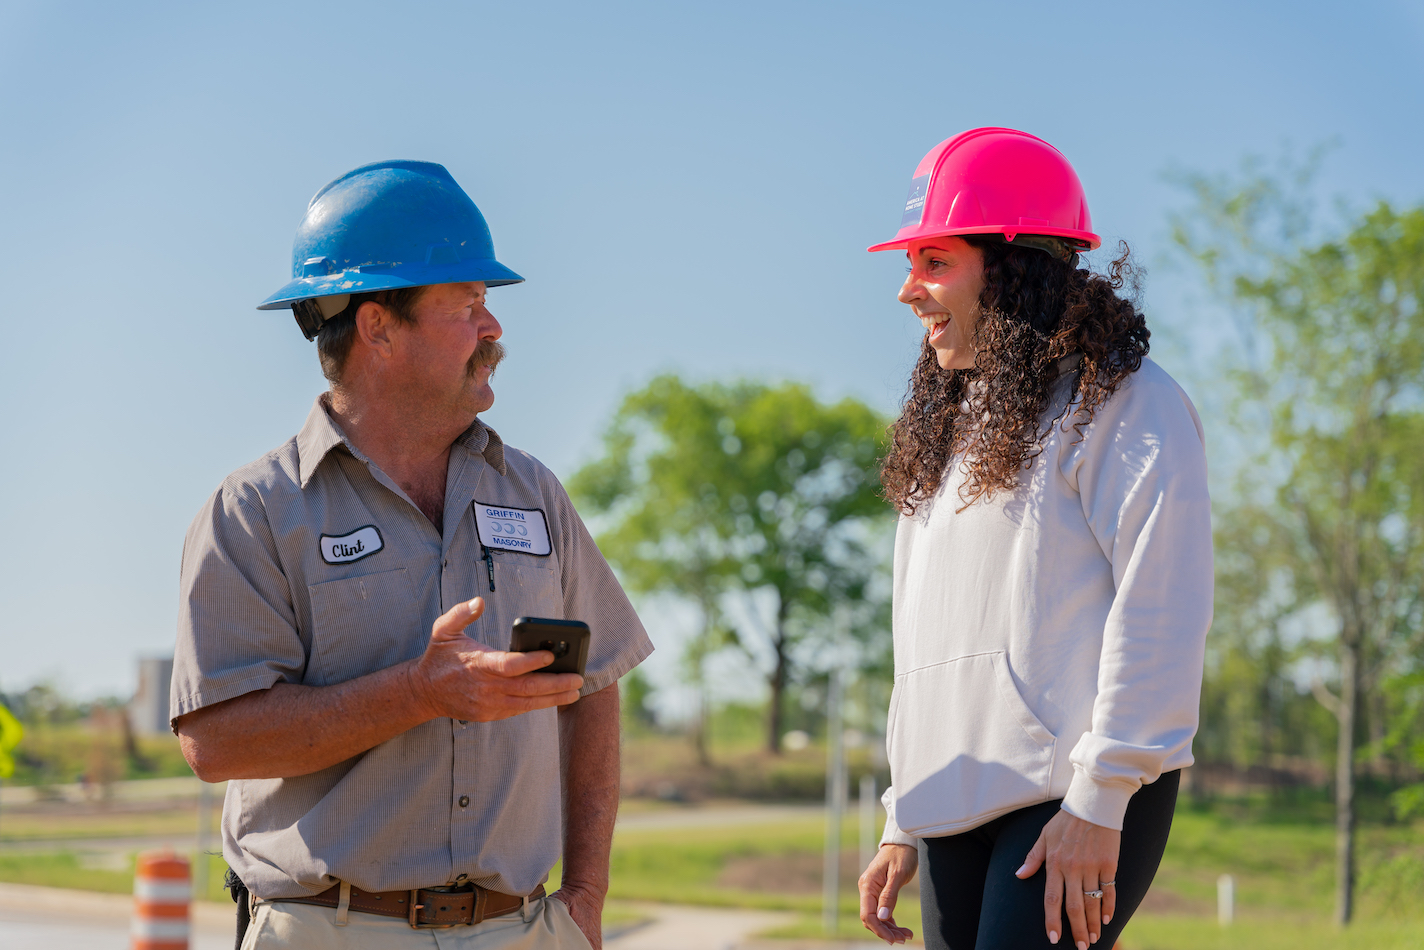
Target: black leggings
970 899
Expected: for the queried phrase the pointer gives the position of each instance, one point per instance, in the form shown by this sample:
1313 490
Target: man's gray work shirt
311 566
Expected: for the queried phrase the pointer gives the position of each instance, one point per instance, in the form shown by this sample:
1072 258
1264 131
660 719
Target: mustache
488 353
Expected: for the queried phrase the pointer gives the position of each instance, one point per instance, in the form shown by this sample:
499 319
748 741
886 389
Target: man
396 778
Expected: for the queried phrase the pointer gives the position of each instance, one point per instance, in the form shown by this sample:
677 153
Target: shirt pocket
361 625
528 586
964 746
525 586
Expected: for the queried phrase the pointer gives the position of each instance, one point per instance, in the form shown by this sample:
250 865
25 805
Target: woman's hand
1081 857
892 866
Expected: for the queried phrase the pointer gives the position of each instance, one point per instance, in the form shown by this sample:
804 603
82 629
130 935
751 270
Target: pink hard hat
995 181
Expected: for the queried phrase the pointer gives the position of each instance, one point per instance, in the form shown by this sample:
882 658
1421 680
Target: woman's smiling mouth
934 322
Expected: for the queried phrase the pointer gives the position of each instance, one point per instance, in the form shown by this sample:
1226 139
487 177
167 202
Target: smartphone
566 639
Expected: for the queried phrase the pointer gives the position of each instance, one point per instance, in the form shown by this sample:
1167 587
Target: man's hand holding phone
460 678
566 639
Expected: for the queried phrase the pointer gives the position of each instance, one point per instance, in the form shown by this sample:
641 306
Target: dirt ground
786 874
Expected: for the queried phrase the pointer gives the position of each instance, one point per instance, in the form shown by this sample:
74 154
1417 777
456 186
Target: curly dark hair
1035 309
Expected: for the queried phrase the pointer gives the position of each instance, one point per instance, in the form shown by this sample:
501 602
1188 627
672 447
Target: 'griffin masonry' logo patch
513 529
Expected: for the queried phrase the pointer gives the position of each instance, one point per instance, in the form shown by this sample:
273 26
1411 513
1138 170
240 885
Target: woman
1053 575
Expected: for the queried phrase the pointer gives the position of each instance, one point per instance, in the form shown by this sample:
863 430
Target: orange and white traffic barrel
161 895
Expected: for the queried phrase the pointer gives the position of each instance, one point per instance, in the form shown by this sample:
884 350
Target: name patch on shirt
363 542
513 529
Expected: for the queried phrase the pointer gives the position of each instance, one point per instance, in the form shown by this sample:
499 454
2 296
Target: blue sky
687 187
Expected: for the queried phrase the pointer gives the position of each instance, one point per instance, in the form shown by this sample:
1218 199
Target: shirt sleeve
592 594
892 833
237 629
1141 474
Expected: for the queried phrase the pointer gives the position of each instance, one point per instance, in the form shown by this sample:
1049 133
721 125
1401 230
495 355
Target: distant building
148 712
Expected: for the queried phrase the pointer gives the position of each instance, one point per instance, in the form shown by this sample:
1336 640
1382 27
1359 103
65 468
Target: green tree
744 490
1328 514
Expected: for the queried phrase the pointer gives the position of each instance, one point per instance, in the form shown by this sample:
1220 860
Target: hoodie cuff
1102 803
893 834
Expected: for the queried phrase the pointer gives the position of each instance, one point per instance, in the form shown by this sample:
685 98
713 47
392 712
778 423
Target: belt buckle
416 905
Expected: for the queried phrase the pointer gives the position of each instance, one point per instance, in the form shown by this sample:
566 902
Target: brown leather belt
426 906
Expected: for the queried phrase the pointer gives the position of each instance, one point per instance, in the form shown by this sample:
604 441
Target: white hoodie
1049 641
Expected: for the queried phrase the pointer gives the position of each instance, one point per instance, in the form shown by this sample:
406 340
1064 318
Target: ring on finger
1095 895
1108 884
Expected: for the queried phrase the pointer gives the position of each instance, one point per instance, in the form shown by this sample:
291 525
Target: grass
65 869
1287 868
1175 932
692 865
59 823
109 873
52 754
665 766
1279 850
848 927
1283 864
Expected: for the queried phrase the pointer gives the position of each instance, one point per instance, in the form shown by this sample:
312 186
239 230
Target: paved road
47 918
28 932
53 919
675 927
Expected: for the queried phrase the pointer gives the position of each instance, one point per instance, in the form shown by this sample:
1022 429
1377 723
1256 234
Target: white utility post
836 782
1225 900
205 824
867 820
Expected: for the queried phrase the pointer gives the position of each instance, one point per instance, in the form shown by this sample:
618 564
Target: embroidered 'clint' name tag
513 529
363 542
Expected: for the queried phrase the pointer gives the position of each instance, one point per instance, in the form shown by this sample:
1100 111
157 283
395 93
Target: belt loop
524 910
343 906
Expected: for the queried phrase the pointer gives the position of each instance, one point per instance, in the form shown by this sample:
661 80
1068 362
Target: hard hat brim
366 279
908 236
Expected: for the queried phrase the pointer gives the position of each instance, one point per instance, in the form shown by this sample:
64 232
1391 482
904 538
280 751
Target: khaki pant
306 926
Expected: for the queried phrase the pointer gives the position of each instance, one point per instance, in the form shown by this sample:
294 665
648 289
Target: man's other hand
586 908
460 678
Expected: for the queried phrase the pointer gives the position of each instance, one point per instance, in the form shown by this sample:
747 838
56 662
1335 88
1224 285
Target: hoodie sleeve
1140 471
893 834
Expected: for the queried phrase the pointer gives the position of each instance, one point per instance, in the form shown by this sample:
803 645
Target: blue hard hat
389 225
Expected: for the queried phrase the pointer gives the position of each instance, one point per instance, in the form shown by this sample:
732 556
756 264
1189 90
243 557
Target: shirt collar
318 437
320 434
484 440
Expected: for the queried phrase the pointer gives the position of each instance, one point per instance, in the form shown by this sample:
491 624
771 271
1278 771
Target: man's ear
373 326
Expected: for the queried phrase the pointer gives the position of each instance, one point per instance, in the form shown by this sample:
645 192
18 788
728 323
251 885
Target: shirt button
464 801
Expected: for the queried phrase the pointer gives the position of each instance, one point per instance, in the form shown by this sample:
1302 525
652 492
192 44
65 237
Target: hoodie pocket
964 747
